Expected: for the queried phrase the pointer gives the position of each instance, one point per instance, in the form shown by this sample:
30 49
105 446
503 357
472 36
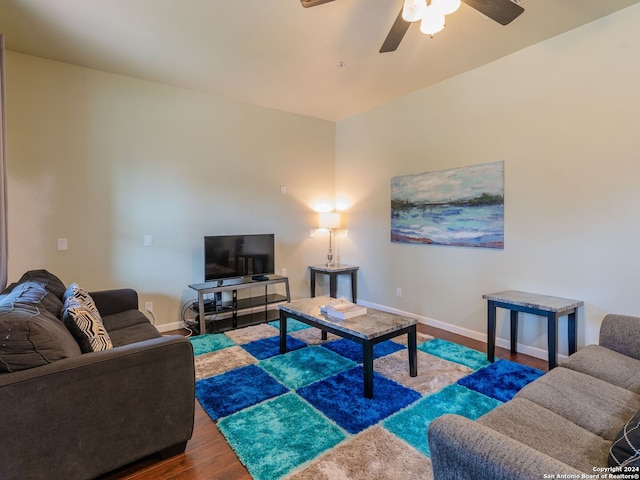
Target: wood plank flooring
209 457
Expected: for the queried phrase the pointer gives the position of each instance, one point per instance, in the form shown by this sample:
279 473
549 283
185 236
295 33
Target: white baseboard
481 336
168 327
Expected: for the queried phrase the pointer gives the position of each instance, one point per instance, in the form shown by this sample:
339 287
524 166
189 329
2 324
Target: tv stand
236 304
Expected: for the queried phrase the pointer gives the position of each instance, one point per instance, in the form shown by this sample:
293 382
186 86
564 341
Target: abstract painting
460 207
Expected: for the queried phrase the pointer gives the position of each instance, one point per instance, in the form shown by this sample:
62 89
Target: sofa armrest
114 301
96 412
621 333
462 449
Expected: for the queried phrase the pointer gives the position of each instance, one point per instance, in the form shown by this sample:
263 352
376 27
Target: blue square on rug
236 389
275 436
306 365
210 342
270 347
411 424
501 380
455 353
341 398
353 350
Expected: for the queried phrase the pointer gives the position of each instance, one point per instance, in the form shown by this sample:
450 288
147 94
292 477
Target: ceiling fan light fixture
446 6
413 10
432 21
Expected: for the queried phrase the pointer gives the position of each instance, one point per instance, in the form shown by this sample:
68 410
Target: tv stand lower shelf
241 309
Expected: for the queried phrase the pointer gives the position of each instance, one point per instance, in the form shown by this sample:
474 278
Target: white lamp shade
413 9
329 220
446 6
432 21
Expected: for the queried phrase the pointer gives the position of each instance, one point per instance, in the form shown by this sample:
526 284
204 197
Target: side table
544 305
333 272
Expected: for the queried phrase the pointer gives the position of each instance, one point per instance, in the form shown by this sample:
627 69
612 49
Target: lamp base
330 262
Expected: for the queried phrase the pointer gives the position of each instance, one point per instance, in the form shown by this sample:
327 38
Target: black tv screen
232 256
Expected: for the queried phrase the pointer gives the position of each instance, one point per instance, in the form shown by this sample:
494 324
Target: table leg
552 339
367 350
333 285
573 334
312 283
283 332
413 351
323 336
514 330
201 319
354 286
491 330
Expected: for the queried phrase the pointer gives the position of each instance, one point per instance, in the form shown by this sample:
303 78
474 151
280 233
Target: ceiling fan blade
396 34
502 11
313 3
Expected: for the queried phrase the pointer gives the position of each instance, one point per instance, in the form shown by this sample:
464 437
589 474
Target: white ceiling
276 53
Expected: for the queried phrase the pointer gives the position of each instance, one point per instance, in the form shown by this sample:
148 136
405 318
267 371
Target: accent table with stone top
368 330
544 305
333 272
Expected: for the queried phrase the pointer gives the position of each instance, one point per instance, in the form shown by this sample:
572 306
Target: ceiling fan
501 11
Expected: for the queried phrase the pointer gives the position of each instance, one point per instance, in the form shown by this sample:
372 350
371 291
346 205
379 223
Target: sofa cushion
128 327
604 408
549 433
607 365
30 336
83 320
133 334
625 449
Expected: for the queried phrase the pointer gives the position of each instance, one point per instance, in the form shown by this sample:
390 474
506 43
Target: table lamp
329 220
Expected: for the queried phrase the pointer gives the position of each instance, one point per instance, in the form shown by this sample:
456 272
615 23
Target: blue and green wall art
459 206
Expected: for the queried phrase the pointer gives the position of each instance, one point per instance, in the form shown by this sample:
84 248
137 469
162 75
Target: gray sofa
580 418
73 415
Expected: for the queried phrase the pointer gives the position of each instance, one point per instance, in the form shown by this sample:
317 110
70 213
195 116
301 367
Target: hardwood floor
209 457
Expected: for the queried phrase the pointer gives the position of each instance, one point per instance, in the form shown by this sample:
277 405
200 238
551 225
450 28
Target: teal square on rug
304 366
273 437
411 424
210 342
455 353
292 325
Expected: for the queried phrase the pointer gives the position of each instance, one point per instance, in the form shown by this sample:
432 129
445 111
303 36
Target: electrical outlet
398 292
148 307
284 272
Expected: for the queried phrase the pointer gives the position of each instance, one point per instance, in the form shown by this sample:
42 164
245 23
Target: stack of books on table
341 308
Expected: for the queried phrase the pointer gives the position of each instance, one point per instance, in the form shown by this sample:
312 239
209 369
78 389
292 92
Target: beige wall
564 116
104 160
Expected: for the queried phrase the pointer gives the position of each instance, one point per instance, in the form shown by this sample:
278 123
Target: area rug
302 415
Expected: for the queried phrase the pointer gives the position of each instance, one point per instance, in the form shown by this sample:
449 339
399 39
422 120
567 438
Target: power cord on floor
153 317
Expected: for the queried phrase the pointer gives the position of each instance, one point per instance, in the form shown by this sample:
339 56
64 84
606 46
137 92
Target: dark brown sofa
72 415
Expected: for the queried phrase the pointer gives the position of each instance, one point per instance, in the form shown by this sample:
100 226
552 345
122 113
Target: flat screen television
233 256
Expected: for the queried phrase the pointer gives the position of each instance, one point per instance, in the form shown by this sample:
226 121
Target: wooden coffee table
374 327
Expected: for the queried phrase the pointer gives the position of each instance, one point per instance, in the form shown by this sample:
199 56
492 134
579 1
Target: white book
342 308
